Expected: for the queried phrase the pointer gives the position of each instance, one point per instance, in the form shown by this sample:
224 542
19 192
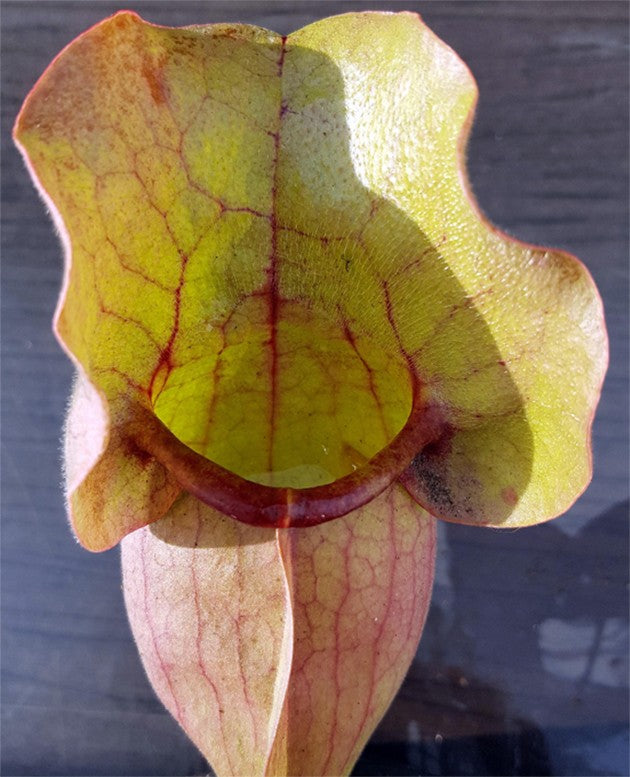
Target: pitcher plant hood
280 291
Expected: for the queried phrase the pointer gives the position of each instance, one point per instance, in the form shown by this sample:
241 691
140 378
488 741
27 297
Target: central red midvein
273 258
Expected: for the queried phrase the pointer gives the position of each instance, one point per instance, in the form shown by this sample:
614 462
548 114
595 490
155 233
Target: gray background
523 665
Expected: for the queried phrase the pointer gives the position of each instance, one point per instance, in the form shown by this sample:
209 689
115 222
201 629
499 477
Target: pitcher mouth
290 424
283 507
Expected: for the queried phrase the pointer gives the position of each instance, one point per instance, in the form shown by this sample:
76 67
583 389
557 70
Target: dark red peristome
278 507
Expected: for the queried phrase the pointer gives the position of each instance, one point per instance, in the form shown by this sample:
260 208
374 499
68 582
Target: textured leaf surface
272 248
290 676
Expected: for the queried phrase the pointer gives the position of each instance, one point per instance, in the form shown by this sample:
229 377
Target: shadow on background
452 722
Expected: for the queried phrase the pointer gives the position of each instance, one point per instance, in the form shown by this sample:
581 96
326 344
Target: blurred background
523 666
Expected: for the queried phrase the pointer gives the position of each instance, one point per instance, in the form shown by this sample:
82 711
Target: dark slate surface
523 666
